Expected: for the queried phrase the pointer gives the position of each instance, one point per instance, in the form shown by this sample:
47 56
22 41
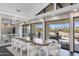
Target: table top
23 39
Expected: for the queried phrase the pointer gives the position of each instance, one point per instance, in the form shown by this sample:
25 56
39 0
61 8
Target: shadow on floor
4 51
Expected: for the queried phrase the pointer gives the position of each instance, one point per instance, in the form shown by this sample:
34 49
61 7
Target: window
59 30
76 34
37 29
25 30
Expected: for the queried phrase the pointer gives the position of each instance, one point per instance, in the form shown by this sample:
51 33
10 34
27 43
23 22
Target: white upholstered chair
34 50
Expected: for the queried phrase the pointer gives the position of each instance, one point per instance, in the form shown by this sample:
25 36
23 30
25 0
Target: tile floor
6 52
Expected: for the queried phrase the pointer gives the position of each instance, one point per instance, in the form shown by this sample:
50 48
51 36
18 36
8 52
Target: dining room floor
64 52
6 52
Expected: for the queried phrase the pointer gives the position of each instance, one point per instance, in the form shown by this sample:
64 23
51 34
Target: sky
76 23
57 25
39 26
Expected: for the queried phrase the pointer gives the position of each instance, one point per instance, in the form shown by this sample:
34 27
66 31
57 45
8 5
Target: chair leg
28 52
21 52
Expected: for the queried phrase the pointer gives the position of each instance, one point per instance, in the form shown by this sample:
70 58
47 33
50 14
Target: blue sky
39 26
76 23
58 25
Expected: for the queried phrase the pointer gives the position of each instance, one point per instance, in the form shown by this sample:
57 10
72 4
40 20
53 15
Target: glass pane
37 29
5 30
14 28
26 30
59 30
76 35
37 33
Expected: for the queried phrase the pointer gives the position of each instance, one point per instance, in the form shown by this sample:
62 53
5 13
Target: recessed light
75 10
18 10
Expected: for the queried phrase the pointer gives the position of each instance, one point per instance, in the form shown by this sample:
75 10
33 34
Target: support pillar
71 33
47 33
44 31
55 6
20 29
0 30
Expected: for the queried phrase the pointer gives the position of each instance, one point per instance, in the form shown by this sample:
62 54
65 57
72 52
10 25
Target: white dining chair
44 51
12 43
34 50
53 50
23 48
15 44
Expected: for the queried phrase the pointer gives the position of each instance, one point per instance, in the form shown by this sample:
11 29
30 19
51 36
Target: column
30 31
0 30
20 29
47 32
55 6
44 31
71 33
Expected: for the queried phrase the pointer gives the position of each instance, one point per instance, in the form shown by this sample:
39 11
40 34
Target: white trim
71 40
64 10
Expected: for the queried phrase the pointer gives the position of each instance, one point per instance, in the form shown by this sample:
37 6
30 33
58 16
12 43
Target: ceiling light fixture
18 10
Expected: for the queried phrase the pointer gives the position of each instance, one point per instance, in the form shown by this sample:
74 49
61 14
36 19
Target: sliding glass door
59 30
76 34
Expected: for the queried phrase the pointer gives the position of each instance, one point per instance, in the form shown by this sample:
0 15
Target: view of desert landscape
63 30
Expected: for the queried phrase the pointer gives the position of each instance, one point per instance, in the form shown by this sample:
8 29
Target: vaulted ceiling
26 10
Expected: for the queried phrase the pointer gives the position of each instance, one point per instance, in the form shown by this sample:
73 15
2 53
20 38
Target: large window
25 30
9 30
59 30
37 30
14 31
5 30
76 34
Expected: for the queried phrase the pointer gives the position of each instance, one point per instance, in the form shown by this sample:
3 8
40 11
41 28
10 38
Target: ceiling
25 10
